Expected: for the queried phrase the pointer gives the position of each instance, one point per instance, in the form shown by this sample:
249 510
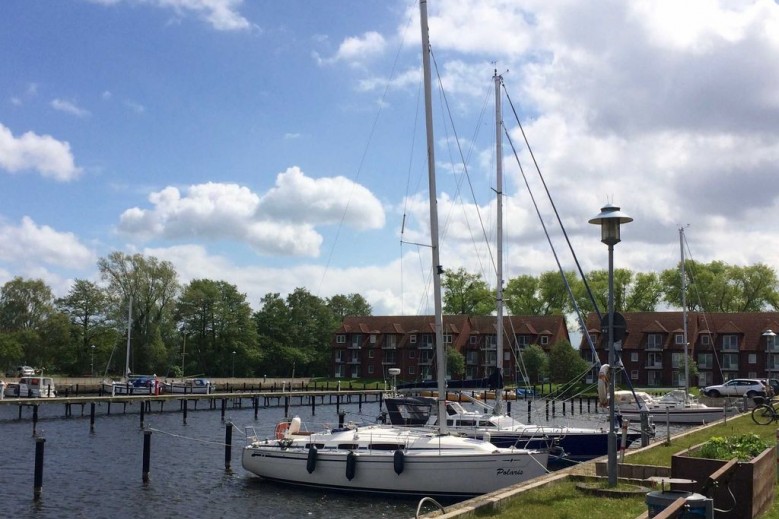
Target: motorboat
389 459
133 385
676 406
31 387
196 386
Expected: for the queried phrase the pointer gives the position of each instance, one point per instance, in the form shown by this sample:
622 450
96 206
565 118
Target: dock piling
38 484
146 455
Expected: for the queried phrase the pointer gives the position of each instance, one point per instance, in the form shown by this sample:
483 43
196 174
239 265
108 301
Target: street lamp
609 219
233 364
770 337
92 365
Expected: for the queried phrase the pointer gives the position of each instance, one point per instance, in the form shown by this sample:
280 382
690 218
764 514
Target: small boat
389 460
196 386
31 387
133 385
673 407
566 444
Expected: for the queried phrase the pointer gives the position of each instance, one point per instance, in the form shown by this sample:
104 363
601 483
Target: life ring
281 430
603 383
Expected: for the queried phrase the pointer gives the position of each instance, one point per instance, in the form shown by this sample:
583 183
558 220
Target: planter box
752 482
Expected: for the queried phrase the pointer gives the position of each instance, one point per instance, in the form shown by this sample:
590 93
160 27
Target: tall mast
437 269
129 331
684 309
498 409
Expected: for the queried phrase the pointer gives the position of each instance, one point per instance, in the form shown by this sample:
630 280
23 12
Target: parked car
20 371
750 387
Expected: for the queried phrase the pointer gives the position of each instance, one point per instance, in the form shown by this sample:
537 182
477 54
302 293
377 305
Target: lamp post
233 364
770 337
92 363
609 219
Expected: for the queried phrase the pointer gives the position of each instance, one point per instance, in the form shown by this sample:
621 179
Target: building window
633 373
677 360
752 358
412 339
730 343
447 338
705 360
339 355
730 361
544 340
506 355
654 341
680 339
473 339
654 360
370 369
370 354
705 339
412 354
340 339
412 370
472 357
523 341
633 356
373 338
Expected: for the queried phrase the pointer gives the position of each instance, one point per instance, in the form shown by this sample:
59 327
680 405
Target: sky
280 145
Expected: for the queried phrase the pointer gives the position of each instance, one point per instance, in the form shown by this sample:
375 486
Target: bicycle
765 413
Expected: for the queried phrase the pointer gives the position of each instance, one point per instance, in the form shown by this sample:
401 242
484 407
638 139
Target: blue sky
278 145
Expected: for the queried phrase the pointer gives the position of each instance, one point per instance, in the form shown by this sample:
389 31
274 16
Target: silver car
750 387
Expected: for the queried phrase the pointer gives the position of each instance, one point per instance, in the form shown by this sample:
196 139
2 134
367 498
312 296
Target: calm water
99 475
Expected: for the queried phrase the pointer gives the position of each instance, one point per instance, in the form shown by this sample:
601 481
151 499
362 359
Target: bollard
146 455
92 417
228 445
38 484
34 419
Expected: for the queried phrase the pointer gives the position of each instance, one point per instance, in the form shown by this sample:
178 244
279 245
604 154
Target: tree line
710 287
205 327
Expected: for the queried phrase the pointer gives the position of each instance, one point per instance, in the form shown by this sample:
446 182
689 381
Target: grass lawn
564 501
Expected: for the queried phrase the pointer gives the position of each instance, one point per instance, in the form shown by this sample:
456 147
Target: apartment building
366 347
723 346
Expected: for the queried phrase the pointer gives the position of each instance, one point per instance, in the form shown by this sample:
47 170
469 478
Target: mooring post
256 406
184 408
224 404
34 419
143 413
146 455
529 404
91 417
286 406
359 402
228 445
313 405
38 484
341 416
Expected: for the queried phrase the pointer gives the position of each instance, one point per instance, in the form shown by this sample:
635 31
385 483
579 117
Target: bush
744 447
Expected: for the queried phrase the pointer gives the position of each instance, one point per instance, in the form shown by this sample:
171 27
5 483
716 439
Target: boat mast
437 269
129 331
684 309
498 409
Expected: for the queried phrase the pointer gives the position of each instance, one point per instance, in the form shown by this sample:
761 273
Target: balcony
425 362
425 345
654 347
354 346
388 346
654 365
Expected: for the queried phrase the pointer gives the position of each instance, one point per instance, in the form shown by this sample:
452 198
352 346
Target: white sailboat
570 444
677 406
391 459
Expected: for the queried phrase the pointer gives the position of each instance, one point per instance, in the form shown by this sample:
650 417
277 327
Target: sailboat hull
432 465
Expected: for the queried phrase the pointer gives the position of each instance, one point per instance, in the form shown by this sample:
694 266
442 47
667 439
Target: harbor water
99 474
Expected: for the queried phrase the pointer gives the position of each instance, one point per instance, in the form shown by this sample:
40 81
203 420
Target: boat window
316 445
348 446
385 446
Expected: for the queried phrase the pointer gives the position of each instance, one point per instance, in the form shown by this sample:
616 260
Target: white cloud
30 243
222 15
356 50
69 107
43 153
282 222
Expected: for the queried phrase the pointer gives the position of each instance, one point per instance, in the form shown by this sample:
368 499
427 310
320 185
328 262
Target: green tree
521 296
466 294
535 363
455 362
86 306
25 304
565 364
216 320
352 304
152 286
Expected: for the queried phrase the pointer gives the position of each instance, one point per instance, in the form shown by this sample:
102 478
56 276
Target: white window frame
340 338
